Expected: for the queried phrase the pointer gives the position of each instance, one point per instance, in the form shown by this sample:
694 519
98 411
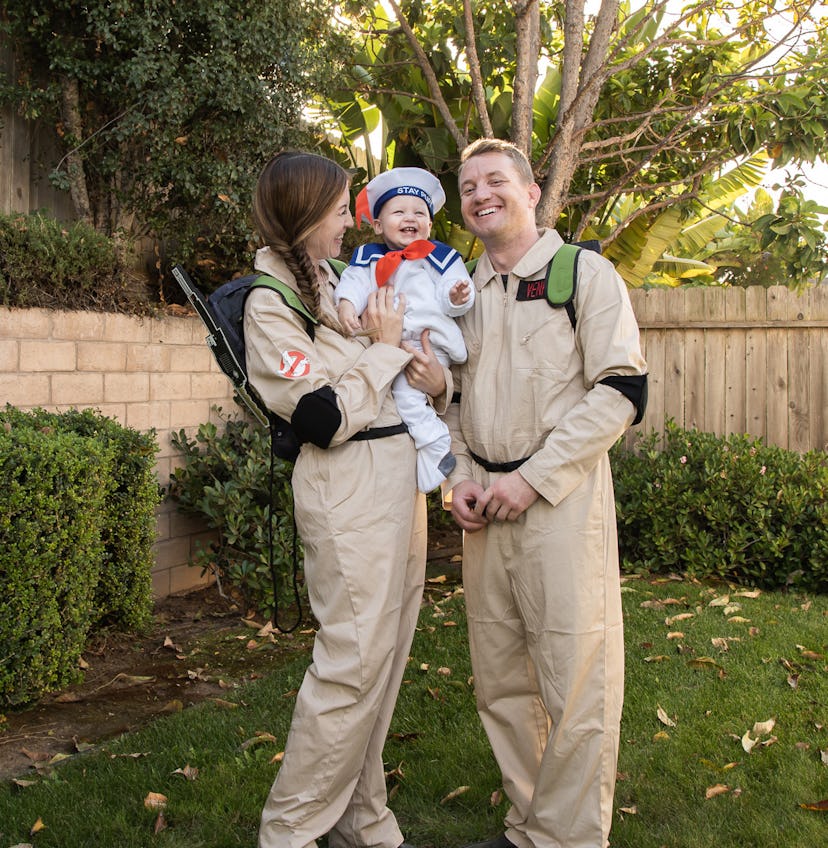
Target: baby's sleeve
354 285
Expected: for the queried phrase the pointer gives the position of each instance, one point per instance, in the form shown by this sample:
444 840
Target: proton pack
223 315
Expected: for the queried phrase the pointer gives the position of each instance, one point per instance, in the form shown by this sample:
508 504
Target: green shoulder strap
338 265
561 277
288 295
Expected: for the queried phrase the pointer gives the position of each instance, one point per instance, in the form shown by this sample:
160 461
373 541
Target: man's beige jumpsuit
542 592
355 505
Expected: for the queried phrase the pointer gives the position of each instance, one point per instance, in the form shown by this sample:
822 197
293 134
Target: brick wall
150 373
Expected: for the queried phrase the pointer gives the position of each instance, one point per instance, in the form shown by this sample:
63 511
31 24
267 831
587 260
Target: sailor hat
415 182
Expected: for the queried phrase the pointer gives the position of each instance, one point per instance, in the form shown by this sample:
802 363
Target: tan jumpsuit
542 592
363 528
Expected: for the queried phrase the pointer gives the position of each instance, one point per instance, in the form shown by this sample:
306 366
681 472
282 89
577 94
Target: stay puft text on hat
414 182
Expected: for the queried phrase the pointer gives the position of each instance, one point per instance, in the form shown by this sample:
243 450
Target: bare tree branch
478 91
431 79
527 29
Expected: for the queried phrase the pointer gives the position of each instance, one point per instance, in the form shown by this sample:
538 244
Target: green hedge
732 507
77 525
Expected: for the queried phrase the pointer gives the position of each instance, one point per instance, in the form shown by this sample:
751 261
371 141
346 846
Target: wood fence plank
714 364
776 405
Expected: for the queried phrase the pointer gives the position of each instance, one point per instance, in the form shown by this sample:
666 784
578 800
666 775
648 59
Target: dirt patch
200 646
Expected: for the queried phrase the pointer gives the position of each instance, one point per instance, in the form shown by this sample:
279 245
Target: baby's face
401 220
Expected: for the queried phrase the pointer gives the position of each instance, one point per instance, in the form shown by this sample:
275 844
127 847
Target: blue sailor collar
440 258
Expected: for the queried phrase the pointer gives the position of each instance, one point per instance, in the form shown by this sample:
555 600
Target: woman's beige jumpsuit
355 506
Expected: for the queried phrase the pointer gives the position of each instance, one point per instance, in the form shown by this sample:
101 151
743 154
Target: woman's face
326 240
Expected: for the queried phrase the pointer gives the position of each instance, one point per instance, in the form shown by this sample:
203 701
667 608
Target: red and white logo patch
294 364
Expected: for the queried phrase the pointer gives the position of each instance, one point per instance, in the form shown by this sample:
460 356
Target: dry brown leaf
752 594
808 654
748 744
160 822
189 772
823 755
496 797
713 791
738 619
631 811
731 608
454 793
652 604
439 579
68 698
818 806
763 728
225 705
37 827
260 737
676 634
682 616
659 658
449 624
444 671
277 758
721 601
703 662
155 801
661 736
664 718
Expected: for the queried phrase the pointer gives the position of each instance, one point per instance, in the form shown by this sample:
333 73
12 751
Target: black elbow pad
317 417
634 389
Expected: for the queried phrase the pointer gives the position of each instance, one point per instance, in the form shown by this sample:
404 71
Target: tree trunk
527 28
70 109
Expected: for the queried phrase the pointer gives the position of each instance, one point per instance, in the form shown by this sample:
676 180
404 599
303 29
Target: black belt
497 466
379 432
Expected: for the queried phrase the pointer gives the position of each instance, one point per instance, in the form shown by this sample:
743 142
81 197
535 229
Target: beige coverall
355 506
542 592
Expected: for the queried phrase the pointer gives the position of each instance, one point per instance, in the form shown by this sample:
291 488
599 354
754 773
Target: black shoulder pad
634 388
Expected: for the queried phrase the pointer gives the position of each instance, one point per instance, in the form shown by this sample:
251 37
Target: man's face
403 219
495 201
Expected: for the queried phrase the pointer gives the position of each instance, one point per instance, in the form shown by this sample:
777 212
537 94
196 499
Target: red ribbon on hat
362 210
391 261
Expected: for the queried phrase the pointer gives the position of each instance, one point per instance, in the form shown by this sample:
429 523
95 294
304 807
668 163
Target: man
540 405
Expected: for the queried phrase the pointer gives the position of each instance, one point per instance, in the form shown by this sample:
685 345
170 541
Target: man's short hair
499 145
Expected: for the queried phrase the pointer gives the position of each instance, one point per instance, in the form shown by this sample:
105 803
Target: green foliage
225 480
180 103
76 532
44 263
730 507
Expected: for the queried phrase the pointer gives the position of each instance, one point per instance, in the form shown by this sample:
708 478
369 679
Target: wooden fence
738 360
27 153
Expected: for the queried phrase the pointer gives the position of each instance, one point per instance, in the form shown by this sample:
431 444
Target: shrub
728 507
225 480
44 263
76 532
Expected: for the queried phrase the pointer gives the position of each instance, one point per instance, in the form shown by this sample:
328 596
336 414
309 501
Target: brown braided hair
295 191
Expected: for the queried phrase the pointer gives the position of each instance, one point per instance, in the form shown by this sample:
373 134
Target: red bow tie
390 262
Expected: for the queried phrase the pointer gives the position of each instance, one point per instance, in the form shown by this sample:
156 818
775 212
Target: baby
400 204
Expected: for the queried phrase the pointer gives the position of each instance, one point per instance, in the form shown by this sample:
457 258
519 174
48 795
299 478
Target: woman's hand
424 372
383 321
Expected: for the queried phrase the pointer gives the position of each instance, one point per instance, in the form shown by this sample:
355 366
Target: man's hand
464 497
506 499
424 372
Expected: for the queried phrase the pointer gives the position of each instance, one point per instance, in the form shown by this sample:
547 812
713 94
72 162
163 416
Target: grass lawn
724 740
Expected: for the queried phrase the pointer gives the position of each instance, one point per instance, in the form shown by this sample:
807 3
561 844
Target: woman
357 468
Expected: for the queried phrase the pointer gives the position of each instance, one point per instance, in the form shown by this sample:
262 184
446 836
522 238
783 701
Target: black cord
273 575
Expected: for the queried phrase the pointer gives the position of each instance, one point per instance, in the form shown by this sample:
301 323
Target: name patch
532 289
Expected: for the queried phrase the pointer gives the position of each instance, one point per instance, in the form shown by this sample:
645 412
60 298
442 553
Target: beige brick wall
148 373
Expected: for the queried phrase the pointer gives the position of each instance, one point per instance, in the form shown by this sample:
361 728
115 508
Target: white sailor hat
416 182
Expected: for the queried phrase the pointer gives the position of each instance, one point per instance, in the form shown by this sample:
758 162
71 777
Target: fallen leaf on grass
37 827
277 758
495 798
808 654
661 736
659 658
676 634
160 823
168 643
703 662
713 791
664 718
682 616
823 755
155 801
225 705
753 594
440 579
763 728
261 736
721 601
738 619
454 793
630 811
817 806
189 772
24 784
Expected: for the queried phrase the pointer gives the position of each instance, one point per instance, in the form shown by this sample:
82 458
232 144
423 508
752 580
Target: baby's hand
348 317
459 293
